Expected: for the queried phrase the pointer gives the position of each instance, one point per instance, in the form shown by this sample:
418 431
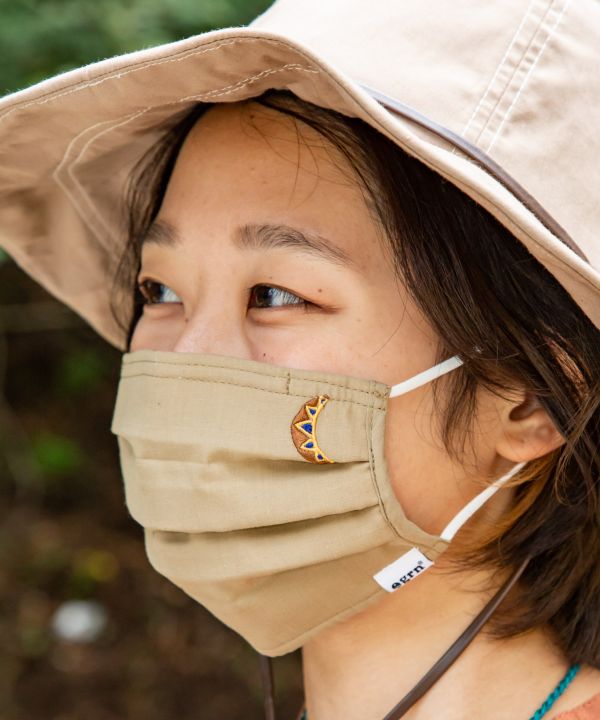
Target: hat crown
518 80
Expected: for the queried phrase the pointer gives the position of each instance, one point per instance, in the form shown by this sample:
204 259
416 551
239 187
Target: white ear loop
426 376
472 507
414 562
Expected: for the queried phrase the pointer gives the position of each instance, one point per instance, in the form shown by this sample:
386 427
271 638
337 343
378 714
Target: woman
291 264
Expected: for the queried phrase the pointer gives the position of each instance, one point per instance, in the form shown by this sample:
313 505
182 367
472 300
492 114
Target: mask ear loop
478 501
426 376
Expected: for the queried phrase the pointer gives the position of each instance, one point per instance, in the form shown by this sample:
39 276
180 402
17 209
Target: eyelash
144 295
144 292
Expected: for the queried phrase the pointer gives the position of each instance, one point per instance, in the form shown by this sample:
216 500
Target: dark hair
479 287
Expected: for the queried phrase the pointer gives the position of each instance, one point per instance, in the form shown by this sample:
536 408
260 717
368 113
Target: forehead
257 138
243 162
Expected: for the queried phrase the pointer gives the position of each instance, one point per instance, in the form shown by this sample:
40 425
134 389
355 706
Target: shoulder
585 701
590 710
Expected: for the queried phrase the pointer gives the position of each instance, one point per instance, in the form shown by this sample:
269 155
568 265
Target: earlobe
528 432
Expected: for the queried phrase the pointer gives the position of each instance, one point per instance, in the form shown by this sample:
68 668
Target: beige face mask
263 490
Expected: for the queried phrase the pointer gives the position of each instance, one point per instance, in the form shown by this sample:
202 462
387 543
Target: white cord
426 376
471 508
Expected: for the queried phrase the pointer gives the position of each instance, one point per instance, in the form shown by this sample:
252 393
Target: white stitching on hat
483 98
511 83
111 74
123 120
527 76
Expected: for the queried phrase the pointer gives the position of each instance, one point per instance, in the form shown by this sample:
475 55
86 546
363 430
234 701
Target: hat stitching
551 33
187 54
515 67
488 89
111 74
184 55
123 120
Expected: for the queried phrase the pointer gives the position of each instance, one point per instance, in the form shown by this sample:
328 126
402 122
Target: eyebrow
264 236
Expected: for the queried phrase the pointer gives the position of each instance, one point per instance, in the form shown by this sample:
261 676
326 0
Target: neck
360 668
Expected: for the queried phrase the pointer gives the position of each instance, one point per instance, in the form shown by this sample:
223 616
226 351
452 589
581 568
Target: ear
528 432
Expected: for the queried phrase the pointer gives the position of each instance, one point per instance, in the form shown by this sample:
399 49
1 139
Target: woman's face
265 249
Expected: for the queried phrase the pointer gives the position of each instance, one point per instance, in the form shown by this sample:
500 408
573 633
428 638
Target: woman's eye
266 296
155 293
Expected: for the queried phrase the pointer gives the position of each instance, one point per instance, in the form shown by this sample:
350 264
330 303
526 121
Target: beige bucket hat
500 98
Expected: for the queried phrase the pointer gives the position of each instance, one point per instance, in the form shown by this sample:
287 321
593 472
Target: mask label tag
403 570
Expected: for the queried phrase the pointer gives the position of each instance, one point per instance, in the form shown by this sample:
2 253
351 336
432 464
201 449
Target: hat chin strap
465 638
430 677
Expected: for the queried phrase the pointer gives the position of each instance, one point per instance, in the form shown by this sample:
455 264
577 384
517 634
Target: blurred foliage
89 569
79 372
39 38
65 532
56 455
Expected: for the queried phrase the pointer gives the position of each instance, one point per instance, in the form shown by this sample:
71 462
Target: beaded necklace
548 702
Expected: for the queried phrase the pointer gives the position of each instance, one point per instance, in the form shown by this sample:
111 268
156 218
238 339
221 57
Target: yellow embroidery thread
305 423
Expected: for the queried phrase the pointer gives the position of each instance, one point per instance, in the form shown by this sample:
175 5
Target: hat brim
68 145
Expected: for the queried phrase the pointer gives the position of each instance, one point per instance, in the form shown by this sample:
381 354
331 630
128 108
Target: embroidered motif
304 431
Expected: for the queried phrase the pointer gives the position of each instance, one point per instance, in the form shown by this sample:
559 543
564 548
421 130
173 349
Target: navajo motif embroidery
304 430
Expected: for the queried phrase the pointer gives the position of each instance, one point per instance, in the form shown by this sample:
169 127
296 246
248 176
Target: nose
215 331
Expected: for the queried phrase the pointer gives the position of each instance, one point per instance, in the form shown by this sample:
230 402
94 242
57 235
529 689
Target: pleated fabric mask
263 490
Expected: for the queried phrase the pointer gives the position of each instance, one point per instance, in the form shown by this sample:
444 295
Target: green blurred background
88 630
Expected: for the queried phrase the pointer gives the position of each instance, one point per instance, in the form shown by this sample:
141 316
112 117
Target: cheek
303 345
159 332
418 466
338 343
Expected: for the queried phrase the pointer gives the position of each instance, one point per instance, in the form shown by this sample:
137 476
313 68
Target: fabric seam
286 375
70 165
115 73
516 67
498 67
249 387
551 33
369 432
